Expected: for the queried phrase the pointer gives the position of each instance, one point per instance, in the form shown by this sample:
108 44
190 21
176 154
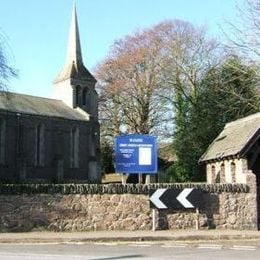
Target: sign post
154 219
187 198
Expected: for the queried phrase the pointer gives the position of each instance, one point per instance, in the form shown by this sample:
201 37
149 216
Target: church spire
74 67
74 48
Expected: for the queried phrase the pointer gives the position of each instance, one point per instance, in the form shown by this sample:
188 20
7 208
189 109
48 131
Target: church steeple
75 85
74 48
74 67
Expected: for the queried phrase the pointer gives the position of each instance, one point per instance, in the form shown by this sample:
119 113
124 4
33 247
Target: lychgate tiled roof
234 139
32 105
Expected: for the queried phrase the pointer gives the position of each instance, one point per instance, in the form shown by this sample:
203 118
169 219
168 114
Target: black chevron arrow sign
187 198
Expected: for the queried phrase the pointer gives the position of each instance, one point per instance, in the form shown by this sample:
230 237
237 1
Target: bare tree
132 83
246 31
6 71
190 55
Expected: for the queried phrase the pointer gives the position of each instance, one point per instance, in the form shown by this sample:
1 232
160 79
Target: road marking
106 244
71 243
4 255
175 246
141 245
209 246
244 248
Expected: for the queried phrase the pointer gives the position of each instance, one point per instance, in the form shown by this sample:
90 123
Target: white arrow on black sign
155 199
182 198
187 198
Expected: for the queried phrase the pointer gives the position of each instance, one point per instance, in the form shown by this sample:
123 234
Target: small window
39 145
2 140
74 148
222 173
233 172
213 174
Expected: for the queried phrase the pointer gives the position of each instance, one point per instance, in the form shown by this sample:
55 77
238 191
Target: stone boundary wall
15 189
113 208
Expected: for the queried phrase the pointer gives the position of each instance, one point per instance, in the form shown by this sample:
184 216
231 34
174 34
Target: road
134 251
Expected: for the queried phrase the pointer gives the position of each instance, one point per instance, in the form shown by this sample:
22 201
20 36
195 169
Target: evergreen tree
226 93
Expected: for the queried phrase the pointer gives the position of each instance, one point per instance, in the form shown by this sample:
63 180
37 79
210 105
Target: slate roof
235 139
75 71
32 105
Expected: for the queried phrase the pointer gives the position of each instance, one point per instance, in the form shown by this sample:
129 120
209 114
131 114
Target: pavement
140 236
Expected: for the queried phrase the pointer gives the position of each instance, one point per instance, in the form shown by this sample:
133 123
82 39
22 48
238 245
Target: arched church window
74 147
77 95
39 145
84 97
233 172
2 140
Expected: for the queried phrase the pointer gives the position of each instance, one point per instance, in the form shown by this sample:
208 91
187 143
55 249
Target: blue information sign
136 154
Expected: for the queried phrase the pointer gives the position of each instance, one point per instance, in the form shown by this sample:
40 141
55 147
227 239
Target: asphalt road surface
134 251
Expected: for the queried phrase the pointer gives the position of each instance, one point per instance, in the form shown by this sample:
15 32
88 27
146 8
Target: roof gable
235 139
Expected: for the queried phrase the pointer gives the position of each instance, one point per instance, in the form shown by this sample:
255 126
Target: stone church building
53 140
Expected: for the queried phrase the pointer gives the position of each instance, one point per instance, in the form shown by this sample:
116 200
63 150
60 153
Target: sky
35 32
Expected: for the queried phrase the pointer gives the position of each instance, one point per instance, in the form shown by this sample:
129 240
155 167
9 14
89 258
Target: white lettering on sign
135 145
136 140
127 164
145 145
126 150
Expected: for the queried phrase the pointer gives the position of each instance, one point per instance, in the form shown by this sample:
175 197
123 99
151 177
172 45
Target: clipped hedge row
15 189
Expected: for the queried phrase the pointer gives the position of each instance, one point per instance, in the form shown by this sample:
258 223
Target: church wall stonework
20 149
87 212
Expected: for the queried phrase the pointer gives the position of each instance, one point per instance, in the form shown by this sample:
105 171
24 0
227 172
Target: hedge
115 188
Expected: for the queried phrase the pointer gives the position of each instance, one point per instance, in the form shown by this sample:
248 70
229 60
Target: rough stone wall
88 212
231 211
74 212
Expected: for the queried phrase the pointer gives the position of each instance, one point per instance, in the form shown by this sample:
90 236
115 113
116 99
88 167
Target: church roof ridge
9 94
39 106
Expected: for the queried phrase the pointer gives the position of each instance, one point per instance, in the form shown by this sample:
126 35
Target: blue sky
36 31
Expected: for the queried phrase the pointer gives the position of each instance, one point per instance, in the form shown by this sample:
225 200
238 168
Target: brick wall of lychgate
227 208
